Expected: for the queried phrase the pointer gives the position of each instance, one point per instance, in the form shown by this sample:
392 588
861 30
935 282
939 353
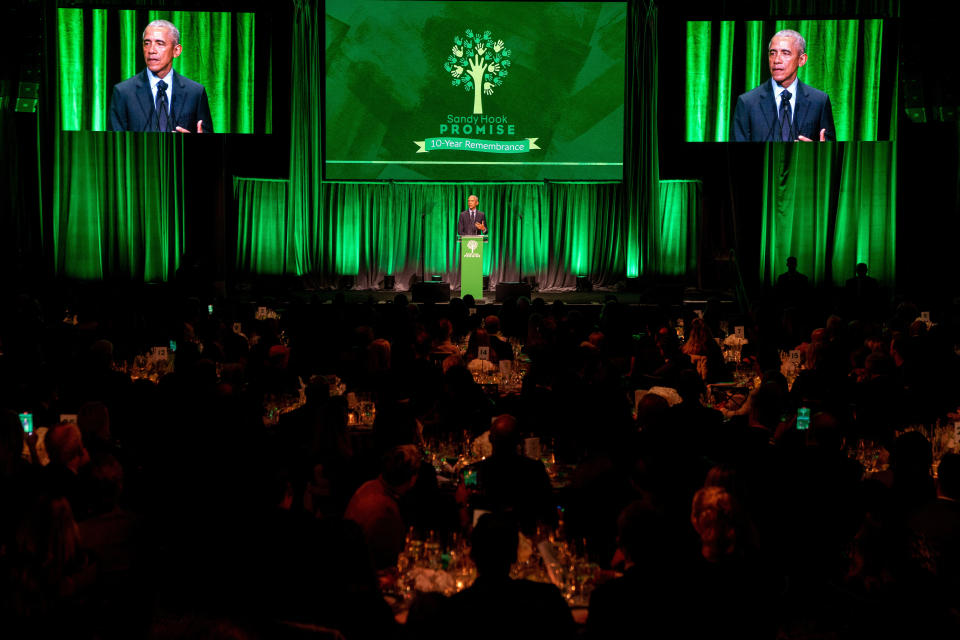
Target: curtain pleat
118 206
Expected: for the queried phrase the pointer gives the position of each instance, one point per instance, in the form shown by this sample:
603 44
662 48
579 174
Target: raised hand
481 49
488 88
199 128
457 71
823 137
498 47
457 51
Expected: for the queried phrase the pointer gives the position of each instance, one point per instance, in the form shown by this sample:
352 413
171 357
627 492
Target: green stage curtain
552 231
830 206
118 206
642 165
678 221
853 61
100 47
261 232
306 129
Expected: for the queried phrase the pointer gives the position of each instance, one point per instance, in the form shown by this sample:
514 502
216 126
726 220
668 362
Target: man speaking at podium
784 109
472 222
158 98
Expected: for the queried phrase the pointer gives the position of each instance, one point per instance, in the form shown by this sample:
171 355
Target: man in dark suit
157 98
472 222
862 294
784 109
792 288
508 482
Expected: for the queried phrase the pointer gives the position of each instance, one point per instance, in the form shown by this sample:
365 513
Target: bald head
504 434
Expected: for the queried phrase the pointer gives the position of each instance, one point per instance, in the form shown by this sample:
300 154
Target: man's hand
823 137
199 128
480 226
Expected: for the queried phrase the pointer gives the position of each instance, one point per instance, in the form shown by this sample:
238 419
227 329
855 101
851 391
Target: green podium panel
471 266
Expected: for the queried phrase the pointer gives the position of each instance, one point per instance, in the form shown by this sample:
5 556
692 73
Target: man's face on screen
159 50
785 58
472 202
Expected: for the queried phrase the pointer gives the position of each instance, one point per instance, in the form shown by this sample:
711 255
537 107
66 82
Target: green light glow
551 230
130 49
70 40
679 224
98 60
118 206
698 79
810 188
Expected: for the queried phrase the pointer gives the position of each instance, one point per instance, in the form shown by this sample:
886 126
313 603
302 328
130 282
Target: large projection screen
474 90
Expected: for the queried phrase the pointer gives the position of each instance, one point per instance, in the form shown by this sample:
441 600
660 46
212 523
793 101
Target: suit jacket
466 228
755 118
132 105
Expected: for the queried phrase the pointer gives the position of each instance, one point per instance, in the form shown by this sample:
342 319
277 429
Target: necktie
785 118
162 106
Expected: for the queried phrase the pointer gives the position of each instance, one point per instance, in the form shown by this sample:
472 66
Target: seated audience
376 505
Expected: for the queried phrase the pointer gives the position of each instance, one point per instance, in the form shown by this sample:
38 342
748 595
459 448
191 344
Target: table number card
483 353
795 356
739 332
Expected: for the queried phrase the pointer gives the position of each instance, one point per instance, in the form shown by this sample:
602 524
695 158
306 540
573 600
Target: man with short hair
472 221
784 109
158 98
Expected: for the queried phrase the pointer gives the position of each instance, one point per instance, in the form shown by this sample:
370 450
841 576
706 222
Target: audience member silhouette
498 606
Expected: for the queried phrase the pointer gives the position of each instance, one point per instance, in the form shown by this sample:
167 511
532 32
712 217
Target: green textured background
386 87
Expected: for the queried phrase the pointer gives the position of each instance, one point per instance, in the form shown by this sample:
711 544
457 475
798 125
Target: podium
471 265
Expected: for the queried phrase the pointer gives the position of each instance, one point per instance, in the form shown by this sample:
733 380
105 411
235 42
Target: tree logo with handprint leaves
477 63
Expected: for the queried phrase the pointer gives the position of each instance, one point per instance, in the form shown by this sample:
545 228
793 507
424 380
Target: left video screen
164 71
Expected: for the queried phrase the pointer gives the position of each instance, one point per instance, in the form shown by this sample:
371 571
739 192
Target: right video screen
791 80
